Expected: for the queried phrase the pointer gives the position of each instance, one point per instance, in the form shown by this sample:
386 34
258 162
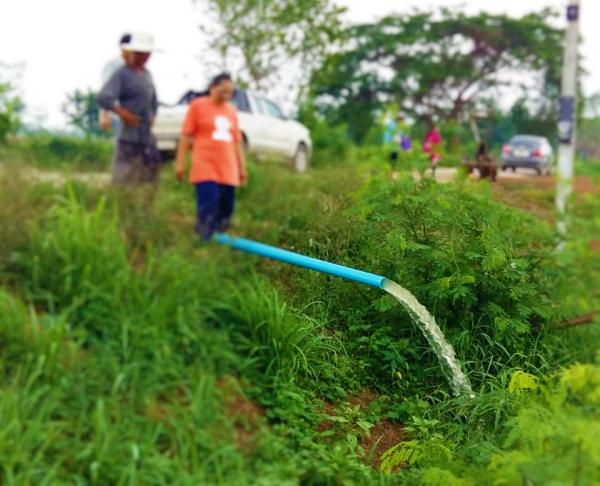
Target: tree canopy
261 37
11 104
436 65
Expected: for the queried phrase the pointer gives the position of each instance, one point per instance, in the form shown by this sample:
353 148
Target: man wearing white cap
131 95
109 120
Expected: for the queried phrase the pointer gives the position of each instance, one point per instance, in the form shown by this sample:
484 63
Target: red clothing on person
431 145
216 133
432 139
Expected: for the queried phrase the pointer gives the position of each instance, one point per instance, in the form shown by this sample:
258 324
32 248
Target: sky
62 45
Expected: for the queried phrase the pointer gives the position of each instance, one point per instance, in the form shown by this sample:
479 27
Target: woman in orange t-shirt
218 164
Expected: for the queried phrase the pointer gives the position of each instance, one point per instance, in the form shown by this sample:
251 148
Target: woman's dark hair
482 150
217 80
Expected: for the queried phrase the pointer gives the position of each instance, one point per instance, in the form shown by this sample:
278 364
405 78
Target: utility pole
567 119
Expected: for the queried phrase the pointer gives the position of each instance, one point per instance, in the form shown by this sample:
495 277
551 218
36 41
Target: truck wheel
300 160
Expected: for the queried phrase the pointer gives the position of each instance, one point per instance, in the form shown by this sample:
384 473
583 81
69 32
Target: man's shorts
130 168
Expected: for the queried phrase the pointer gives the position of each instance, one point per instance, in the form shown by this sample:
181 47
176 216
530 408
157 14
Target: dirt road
581 184
57 177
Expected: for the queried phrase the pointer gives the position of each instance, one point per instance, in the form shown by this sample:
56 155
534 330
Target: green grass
132 354
55 151
589 168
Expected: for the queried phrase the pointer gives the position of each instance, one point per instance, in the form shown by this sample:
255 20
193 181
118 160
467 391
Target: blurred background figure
484 163
131 95
432 145
109 120
482 156
396 138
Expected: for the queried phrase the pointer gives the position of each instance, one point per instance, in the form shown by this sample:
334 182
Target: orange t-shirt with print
216 133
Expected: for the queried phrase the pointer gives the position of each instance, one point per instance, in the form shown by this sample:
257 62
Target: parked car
267 132
530 152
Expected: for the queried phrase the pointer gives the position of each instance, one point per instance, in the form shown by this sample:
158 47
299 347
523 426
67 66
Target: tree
592 105
11 107
437 65
263 37
83 112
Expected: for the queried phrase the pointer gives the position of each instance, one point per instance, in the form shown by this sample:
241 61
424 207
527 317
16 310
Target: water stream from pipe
450 365
435 337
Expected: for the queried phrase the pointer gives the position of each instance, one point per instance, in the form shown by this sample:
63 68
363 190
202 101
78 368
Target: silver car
529 152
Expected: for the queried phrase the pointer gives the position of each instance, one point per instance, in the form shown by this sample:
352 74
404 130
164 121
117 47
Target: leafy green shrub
487 272
330 142
545 431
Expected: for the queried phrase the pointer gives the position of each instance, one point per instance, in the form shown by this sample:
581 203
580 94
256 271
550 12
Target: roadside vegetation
132 353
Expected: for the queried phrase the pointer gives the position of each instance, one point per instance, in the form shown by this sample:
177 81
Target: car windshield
529 142
269 108
274 110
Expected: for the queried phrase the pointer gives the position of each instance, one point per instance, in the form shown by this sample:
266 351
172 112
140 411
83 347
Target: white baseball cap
140 42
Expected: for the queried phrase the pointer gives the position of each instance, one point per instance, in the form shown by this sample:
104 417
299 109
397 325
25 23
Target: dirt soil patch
58 178
325 425
581 184
363 399
536 194
247 417
534 203
381 437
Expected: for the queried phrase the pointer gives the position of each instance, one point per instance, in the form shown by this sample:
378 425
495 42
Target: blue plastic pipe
292 258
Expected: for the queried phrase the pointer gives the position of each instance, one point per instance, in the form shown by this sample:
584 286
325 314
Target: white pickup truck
267 132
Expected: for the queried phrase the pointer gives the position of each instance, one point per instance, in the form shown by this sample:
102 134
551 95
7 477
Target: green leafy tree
592 105
11 107
263 36
521 119
83 112
436 65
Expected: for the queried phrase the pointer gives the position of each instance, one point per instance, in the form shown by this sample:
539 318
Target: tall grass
77 262
281 340
114 381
